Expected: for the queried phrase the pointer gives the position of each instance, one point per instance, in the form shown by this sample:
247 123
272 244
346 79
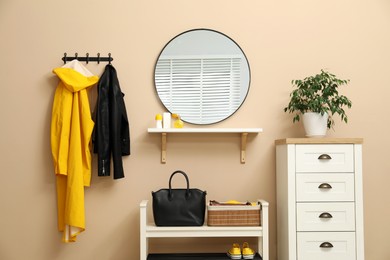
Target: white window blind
204 89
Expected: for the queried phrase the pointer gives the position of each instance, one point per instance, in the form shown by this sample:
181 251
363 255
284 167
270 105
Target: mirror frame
226 36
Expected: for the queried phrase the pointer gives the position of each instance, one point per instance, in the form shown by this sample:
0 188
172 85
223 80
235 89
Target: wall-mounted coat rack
87 58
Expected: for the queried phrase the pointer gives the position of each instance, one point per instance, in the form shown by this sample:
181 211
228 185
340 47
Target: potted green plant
318 96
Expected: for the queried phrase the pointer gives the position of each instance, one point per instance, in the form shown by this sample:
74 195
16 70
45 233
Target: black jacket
111 132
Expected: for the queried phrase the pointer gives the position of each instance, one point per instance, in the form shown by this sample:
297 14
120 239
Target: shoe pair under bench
245 252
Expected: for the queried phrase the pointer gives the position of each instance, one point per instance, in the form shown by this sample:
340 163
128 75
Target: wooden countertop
324 140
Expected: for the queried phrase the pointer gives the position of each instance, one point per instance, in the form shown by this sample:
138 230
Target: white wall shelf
165 131
150 230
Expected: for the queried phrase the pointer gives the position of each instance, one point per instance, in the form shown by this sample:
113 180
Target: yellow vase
178 123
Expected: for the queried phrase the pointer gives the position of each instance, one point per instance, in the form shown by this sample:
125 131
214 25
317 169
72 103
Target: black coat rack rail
87 58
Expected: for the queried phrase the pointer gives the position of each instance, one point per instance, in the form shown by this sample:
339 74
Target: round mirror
202 75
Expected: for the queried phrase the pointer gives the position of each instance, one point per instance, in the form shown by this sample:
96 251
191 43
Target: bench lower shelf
194 256
149 230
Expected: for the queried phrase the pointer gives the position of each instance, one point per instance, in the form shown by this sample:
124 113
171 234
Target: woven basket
233 215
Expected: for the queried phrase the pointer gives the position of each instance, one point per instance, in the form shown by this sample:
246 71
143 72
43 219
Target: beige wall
283 40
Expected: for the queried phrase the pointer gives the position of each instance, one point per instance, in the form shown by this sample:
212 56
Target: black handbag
179 207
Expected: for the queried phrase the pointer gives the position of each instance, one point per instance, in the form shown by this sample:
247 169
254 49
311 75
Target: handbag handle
170 186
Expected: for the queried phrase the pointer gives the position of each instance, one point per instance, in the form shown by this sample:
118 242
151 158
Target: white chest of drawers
319 199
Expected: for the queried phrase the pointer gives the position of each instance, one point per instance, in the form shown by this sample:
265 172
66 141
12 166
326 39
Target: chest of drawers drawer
326 216
326 246
324 158
325 187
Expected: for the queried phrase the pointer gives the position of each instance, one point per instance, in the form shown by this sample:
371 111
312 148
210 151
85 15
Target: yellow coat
71 130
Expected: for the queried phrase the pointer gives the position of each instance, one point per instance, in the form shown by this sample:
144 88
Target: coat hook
64 58
87 57
75 55
98 57
109 58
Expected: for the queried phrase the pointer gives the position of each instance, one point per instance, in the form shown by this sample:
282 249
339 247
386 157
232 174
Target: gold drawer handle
325 186
325 215
326 245
324 157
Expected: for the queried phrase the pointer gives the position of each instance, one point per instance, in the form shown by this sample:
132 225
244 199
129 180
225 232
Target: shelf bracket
243 146
163 147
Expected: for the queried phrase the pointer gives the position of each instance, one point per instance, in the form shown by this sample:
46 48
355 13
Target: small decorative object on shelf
166 120
159 121
318 94
178 122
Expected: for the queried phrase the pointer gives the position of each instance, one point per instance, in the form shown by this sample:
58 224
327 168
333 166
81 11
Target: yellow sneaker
235 251
247 252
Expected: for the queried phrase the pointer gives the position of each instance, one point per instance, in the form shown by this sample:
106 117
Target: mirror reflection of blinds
205 89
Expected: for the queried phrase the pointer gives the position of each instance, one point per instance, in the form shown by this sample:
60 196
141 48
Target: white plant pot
315 124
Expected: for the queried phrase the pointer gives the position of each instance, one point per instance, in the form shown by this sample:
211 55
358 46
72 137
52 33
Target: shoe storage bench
150 230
